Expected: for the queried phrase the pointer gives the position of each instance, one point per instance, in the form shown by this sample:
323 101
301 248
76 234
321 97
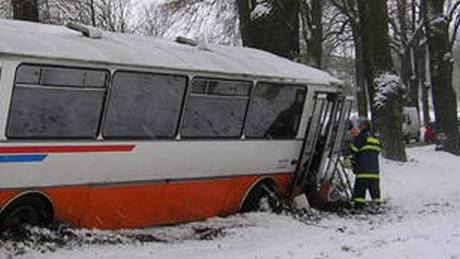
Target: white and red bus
120 131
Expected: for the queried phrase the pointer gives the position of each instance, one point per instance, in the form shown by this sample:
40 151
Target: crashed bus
106 130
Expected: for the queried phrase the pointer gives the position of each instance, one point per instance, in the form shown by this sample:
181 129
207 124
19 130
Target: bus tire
30 209
262 197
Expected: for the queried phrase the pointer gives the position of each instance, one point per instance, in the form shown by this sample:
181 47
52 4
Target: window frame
190 93
253 96
109 96
104 89
40 79
248 95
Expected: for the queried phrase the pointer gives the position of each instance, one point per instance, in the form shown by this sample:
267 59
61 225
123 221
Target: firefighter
365 150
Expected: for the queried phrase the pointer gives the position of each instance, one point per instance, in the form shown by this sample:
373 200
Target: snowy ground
422 220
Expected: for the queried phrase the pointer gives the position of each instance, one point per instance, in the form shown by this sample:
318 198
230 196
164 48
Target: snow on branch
448 57
455 29
438 20
387 85
262 9
452 10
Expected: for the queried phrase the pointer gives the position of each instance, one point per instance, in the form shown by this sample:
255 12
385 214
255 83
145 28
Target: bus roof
60 42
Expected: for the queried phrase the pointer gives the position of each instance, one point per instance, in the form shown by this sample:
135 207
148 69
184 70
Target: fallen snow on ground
421 220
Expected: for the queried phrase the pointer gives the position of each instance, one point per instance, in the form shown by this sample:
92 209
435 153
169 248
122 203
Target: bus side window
216 108
52 111
144 105
276 111
28 75
73 78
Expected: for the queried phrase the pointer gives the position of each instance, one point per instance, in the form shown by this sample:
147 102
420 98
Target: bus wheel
262 197
30 209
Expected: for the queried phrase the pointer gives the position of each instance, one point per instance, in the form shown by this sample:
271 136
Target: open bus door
331 168
322 143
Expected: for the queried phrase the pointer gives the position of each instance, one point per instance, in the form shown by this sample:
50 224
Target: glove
347 162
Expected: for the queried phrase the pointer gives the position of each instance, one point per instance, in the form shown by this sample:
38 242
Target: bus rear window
276 111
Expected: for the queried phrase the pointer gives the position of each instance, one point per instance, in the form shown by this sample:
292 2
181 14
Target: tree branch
451 11
455 31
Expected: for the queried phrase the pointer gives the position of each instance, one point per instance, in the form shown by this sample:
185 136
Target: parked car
411 124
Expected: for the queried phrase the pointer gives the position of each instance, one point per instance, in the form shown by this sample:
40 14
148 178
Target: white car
411 124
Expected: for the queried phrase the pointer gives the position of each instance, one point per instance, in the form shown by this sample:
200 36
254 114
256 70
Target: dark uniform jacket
365 150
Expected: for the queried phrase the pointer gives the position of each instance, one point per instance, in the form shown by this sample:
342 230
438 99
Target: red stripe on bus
66 149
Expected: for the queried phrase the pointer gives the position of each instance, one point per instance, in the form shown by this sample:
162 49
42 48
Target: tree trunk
361 95
424 84
276 31
26 10
348 9
414 79
408 59
441 59
416 75
315 45
92 13
387 113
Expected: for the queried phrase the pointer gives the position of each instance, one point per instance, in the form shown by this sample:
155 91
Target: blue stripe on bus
22 158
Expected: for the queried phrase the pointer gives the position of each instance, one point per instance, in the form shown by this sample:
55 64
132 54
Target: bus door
315 140
332 168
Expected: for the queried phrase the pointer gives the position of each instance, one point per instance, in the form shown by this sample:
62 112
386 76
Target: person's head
355 132
364 124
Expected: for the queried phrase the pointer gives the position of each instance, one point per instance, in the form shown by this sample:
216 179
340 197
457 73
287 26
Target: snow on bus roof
60 42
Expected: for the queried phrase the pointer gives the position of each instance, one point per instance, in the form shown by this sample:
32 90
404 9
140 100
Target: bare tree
312 14
425 86
441 59
156 19
384 86
214 21
271 25
349 10
111 15
6 9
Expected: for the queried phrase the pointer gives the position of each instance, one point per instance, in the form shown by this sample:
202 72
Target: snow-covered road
422 221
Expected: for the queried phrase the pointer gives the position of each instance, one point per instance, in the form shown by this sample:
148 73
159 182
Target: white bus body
136 181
